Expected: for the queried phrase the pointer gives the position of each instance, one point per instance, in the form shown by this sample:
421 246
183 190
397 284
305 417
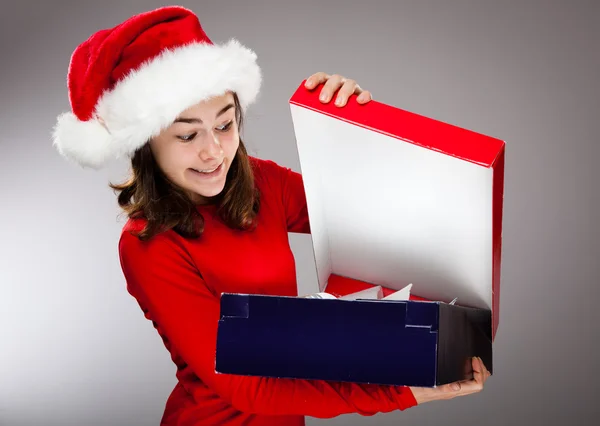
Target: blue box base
404 343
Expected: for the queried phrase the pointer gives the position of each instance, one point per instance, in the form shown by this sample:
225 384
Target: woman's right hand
452 390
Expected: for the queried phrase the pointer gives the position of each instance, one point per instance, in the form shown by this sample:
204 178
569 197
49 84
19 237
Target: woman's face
196 151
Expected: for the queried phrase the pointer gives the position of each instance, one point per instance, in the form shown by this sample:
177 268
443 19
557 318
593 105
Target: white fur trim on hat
150 98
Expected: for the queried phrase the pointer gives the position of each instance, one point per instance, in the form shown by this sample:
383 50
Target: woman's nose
211 148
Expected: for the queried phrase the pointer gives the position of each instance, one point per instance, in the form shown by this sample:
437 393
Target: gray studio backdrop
76 350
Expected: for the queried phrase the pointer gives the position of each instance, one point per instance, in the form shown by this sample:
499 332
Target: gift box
395 199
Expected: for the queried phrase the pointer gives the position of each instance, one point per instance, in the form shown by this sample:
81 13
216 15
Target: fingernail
338 102
323 97
455 386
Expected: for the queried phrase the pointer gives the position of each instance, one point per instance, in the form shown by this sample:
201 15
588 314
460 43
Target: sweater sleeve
290 186
294 199
162 276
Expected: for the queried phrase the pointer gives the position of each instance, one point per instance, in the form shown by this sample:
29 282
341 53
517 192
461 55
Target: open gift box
394 198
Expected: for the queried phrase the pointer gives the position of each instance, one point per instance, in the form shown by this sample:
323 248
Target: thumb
450 388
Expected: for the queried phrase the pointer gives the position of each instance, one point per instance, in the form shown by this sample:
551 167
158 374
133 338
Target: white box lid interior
395 198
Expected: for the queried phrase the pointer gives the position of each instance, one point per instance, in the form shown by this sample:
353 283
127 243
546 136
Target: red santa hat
128 83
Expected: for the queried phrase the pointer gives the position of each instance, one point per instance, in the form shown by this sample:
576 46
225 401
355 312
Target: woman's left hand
344 87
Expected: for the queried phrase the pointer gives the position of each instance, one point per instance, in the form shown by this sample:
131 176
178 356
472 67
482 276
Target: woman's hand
336 83
452 390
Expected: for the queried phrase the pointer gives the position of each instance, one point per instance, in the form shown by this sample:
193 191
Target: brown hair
148 194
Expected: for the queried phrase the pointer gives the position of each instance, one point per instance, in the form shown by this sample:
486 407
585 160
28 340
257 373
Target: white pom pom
87 143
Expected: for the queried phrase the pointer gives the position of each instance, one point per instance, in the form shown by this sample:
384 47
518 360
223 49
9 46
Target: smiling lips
208 172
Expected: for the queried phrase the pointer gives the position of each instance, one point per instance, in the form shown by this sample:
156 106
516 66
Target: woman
204 217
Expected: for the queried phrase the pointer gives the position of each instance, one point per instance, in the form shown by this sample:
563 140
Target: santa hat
128 83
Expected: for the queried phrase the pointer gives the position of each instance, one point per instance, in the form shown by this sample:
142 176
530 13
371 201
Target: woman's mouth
208 173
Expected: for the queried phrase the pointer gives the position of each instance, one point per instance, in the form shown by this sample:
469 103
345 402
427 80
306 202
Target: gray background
75 348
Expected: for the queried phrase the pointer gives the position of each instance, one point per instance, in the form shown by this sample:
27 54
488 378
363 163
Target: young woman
204 217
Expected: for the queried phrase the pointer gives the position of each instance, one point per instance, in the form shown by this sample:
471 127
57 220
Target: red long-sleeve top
177 283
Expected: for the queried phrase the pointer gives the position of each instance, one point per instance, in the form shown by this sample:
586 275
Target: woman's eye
224 127
188 138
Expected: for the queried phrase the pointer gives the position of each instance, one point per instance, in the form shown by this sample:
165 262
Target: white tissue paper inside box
372 293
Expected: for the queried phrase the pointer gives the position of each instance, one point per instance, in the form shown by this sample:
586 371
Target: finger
331 86
463 387
486 372
450 388
364 97
478 370
475 384
316 79
470 386
348 88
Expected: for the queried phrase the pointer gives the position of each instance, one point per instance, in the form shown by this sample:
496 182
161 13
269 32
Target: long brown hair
148 194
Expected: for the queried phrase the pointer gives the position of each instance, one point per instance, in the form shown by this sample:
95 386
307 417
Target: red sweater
177 283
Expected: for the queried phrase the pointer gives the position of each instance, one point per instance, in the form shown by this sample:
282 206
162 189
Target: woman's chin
206 193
